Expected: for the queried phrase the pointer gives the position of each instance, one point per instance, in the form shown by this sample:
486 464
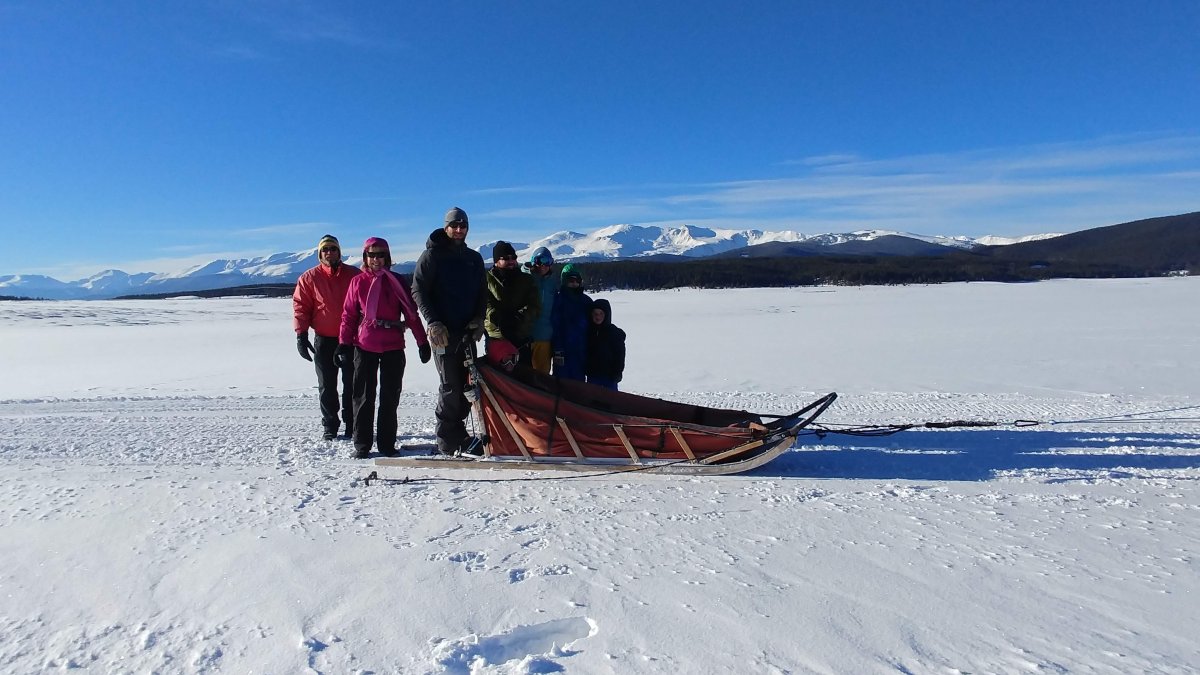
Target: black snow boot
471 446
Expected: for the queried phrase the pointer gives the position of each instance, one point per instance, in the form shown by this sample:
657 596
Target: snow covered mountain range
608 243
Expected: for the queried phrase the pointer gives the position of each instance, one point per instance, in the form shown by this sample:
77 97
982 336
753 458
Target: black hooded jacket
449 283
605 346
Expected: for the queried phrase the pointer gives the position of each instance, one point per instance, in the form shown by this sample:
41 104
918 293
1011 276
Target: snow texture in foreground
166 503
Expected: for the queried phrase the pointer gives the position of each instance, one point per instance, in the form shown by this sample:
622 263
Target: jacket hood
377 242
601 303
437 238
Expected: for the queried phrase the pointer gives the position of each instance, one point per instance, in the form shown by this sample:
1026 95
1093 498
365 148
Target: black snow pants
452 406
325 348
386 370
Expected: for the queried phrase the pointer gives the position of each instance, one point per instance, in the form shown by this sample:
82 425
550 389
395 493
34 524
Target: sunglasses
376 254
507 257
330 249
457 225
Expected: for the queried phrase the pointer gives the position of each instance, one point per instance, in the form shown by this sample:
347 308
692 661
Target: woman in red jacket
379 307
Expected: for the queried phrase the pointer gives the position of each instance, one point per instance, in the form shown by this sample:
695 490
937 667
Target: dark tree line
799 271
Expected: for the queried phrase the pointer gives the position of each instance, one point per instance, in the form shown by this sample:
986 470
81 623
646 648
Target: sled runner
534 421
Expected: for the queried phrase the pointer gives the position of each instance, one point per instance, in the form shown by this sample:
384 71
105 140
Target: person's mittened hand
439 337
344 356
425 353
304 346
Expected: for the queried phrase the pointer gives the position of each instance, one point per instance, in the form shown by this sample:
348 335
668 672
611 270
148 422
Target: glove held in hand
344 356
304 346
439 337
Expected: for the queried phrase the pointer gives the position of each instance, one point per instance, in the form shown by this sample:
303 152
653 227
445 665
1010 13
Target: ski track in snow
197 588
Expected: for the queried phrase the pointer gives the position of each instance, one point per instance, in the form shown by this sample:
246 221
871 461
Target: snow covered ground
166 504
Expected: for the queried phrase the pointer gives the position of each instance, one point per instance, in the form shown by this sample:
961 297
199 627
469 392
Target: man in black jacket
449 285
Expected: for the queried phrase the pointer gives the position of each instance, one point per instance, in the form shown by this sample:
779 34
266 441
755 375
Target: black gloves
304 346
425 352
344 356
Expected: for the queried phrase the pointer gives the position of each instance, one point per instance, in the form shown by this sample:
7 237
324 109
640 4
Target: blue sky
146 136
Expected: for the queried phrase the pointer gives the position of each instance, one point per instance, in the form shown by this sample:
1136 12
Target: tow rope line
820 429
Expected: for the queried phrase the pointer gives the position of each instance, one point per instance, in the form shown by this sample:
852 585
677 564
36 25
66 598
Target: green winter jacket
513 303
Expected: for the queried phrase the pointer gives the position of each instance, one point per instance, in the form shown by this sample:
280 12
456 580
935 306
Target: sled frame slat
687 450
628 446
504 418
562 424
744 447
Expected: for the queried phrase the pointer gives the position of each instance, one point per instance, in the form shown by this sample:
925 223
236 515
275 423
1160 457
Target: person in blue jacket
541 269
571 317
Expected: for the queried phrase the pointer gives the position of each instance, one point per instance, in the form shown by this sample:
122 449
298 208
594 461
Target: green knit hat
570 270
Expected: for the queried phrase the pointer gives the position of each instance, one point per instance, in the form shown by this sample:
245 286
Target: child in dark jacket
571 318
605 347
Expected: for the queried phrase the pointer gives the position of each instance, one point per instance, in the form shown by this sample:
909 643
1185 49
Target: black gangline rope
820 429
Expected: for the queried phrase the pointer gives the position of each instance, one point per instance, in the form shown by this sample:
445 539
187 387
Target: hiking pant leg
366 375
348 398
325 349
452 406
391 382
543 356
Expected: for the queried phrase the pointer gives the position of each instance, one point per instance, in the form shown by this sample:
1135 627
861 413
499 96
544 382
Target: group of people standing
360 316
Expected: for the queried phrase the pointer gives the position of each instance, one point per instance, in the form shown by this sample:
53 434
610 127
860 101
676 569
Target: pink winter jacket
318 299
379 337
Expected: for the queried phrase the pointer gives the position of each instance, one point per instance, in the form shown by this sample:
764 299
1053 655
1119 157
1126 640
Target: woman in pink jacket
379 307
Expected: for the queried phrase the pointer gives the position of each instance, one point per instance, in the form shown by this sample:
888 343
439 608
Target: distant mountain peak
612 242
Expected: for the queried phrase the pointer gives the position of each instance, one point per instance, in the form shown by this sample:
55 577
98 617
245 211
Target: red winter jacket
318 299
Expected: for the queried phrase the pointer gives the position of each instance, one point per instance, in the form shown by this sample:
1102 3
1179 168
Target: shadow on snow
978 455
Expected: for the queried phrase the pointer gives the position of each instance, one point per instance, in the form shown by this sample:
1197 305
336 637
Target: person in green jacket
513 302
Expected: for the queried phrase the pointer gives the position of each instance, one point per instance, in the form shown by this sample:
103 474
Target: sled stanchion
487 392
687 450
628 446
570 438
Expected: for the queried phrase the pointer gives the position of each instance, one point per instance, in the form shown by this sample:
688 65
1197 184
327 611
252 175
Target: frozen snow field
167 505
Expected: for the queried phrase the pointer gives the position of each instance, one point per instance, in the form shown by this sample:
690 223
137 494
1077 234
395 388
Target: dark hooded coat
449 283
605 346
570 316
